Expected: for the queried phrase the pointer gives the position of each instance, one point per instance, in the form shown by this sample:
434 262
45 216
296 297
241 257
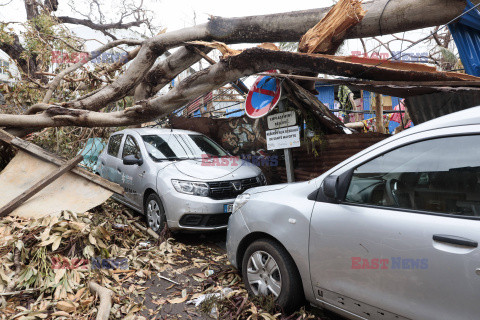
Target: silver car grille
231 189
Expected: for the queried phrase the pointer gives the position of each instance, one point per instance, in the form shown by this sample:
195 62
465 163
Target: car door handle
119 170
455 240
103 162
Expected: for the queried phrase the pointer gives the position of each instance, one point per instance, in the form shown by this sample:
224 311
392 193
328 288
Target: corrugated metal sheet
326 94
466 33
430 106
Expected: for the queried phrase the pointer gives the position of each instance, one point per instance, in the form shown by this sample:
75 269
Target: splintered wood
227 51
326 35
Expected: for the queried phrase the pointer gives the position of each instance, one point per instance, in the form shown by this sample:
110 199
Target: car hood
203 170
269 188
293 186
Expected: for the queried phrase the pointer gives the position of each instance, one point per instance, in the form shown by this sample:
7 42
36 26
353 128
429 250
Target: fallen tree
145 78
248 62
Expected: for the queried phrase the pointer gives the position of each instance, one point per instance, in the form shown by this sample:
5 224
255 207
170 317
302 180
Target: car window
200 145
439 175
131 148
164 146
114 144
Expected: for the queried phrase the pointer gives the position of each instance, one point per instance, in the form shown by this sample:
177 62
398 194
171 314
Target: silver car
390 233
177 177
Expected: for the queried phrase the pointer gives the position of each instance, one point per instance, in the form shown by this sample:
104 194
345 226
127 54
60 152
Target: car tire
263 276
154 213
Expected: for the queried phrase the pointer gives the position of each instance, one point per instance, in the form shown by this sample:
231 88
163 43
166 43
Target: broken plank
52 158
5 136
33 190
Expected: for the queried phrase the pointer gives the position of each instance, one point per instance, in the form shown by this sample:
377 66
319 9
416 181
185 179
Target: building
4 71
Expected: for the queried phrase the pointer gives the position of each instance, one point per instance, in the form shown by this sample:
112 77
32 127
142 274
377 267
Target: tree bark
162 73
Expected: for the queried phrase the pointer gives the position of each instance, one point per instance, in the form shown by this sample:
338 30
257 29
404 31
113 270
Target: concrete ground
160 290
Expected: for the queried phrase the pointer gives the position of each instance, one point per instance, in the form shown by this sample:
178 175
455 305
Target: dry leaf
66 306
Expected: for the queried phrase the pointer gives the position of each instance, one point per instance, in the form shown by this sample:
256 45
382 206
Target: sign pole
287 153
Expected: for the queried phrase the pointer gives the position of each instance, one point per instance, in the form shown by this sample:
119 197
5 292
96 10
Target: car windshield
177 147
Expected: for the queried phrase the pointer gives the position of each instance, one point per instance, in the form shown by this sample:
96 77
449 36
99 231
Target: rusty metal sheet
427 107
334 149
69 192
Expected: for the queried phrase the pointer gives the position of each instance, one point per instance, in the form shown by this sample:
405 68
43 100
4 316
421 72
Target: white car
181 178
390 233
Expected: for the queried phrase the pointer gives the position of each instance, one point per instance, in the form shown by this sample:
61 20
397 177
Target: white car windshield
175 147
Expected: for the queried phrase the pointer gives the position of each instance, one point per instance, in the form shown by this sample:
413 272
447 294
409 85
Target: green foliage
41 37
318 143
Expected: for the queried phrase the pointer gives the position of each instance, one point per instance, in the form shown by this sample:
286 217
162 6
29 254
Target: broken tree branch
163 72
105 295
248 62
326 35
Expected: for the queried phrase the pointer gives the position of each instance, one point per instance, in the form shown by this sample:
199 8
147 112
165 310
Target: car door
110 160
403 240
132 175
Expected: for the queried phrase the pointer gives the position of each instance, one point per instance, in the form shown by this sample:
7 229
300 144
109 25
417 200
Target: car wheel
268 269
155 213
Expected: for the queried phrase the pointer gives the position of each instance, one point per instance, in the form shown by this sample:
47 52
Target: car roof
144 131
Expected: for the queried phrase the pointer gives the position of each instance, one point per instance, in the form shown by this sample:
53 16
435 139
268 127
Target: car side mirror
330 187
131 160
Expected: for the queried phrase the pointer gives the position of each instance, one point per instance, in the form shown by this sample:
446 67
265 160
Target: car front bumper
236 232
195 213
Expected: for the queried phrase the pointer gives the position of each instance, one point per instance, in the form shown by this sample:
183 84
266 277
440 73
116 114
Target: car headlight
262 180
240 201
191 187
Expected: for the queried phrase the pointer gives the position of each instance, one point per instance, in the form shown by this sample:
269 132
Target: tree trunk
379 113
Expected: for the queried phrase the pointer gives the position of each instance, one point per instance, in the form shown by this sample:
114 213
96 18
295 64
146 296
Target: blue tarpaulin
91 151
466 34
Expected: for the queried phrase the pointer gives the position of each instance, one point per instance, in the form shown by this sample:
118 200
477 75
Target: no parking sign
263 97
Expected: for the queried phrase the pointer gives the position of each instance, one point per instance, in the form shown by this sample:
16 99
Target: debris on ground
55 267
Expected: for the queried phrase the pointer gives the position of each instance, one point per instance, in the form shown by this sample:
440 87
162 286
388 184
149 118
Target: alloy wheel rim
263 274
153 215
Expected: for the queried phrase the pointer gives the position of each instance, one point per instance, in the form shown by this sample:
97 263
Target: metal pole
287 152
